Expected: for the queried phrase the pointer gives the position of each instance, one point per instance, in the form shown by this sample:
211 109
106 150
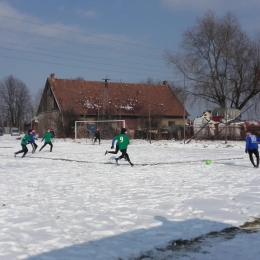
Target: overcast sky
120 39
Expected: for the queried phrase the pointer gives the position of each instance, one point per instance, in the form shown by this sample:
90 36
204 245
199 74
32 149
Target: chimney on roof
52 76
165 83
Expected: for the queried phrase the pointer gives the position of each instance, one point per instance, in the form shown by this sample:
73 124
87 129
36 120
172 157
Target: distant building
221 123
92 100
206 114
227 114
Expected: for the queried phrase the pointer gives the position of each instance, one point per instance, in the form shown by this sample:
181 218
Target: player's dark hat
123 130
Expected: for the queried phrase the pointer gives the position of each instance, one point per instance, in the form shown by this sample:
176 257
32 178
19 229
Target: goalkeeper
97 136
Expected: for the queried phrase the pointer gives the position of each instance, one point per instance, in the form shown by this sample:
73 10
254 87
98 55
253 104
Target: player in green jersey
24 142
47 137
122 142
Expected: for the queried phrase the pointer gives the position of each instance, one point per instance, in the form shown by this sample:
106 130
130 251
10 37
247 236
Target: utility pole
226 114
225 94
184 112
105 102
149 111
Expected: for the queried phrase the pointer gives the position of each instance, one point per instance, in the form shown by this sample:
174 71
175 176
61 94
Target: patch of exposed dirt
181 247
252 225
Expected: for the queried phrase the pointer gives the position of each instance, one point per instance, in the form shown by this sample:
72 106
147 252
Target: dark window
55 105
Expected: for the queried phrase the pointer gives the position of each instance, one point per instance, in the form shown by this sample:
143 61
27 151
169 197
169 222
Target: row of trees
16 104
220 62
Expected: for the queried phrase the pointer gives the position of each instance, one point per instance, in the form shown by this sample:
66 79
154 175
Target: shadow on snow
169 236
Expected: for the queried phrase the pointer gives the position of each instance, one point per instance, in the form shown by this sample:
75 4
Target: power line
50 10
77 66
52 56
81 44
83 34
81 55
78 43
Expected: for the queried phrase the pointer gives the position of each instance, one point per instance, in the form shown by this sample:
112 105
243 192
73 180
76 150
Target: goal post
107 128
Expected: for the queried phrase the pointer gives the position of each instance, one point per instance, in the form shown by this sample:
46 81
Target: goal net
107 128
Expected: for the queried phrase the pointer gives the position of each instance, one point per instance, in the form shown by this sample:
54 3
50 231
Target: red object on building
217 118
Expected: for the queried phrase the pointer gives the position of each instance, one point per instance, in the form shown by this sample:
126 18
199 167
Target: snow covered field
75 203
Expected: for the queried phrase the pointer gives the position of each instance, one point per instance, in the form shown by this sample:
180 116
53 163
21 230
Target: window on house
171 123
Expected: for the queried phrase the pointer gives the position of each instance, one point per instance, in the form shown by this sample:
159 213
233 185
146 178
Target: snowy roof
122 98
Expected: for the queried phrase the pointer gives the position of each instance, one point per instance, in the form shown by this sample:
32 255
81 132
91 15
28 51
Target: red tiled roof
123 98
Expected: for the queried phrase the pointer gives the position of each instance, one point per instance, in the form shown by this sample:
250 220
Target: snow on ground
75 203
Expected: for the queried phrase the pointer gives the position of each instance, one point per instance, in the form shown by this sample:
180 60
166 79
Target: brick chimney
165 83
52 76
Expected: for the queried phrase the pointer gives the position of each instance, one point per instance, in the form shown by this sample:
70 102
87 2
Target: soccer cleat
116 160
132 164
256 166
106 152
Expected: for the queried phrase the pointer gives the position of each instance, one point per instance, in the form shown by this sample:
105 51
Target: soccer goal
107 128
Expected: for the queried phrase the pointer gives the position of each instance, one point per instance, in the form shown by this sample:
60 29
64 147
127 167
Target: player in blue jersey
252 147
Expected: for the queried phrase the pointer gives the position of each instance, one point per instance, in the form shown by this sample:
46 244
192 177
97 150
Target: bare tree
16 100
178 90
220 61
151 81
79 78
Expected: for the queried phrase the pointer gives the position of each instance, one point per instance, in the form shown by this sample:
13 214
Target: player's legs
250 152
51 145
35 146
256 153
43 146
116 151
25 150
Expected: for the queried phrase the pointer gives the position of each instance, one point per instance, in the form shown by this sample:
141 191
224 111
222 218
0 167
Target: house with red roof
104 100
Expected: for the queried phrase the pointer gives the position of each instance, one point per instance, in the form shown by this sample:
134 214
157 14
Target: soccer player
122 142
112 147
53 135
96 136
252 147
32 141
24 142
47 137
